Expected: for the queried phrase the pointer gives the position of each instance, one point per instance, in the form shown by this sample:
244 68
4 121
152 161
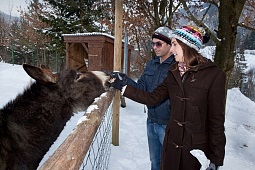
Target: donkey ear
42 75
44 67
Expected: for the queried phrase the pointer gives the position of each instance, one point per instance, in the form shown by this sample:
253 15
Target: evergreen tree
249 42
66 17
238 77
250 84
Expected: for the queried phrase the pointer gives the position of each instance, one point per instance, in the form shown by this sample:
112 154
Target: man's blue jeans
156 134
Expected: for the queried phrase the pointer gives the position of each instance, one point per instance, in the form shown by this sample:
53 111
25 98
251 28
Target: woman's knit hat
192 36
163 33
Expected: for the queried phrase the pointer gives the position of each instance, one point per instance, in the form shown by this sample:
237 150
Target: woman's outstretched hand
118 80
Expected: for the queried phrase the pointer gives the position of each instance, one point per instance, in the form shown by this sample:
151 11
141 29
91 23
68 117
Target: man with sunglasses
154 73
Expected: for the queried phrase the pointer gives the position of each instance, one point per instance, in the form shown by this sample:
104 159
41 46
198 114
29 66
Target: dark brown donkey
31 123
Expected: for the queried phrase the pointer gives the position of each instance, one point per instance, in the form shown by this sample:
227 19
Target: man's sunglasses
158 44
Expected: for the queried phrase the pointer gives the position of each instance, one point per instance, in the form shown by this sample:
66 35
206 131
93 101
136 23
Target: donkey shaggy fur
31 123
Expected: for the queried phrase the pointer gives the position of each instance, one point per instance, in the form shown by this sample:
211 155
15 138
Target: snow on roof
89 34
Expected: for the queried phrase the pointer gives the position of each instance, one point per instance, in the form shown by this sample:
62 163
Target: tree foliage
65 17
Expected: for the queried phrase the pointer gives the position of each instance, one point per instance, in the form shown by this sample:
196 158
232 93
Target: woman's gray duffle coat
197 115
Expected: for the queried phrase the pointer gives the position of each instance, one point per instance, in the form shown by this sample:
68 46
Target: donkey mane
31 122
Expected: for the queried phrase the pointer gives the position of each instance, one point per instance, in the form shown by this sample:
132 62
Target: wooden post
117 67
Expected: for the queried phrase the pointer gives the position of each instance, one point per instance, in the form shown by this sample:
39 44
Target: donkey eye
77 76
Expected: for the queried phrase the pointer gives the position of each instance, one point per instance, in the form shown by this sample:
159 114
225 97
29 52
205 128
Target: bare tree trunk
229 14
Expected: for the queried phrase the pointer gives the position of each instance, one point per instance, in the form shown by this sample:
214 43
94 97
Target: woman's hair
191 57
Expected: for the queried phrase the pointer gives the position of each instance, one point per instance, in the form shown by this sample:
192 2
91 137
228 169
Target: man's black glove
212 166
118 80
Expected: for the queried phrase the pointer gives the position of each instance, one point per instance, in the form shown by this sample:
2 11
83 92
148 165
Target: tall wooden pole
117 67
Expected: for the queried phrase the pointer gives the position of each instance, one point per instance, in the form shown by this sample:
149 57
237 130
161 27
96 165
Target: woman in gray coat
196 88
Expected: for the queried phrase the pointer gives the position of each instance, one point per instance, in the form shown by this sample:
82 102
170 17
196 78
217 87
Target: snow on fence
89 145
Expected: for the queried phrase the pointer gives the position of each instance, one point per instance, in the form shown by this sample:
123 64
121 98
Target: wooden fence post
117 67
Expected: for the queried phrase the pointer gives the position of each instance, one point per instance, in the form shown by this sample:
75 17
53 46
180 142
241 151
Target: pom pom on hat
206 38
163 33
192 36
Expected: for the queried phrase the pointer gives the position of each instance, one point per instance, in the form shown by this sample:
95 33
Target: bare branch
214 3
199 23
203 17
246 27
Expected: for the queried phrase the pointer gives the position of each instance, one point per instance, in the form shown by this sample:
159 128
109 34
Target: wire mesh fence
97 157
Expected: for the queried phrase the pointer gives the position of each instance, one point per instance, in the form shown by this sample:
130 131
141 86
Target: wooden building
92 51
